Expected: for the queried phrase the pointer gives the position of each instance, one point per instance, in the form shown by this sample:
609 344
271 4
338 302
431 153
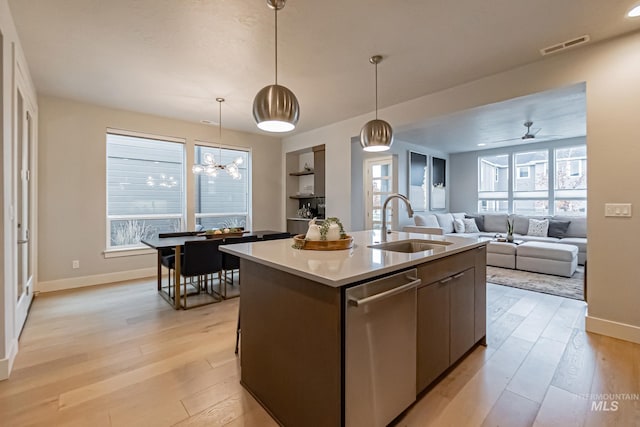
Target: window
493 182
145 188
523 172
221 201
571 181
531 188
532 191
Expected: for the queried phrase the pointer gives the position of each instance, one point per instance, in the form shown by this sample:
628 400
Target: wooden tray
322 245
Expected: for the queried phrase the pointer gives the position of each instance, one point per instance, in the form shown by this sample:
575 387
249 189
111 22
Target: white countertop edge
358 277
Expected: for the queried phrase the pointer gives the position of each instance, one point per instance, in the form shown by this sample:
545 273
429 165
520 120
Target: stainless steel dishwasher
380 349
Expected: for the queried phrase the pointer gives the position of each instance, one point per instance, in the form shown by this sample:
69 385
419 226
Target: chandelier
209 165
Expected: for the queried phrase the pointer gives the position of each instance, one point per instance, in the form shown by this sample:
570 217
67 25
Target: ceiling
555 114
173 58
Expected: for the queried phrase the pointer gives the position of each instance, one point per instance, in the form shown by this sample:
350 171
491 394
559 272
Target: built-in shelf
304 186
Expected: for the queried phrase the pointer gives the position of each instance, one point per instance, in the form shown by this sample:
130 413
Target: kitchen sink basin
412 245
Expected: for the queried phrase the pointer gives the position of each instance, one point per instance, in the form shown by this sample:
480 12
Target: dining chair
167 256
201 261
231 262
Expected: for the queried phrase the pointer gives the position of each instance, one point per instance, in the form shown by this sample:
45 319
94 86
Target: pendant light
275 107
376 135
209 166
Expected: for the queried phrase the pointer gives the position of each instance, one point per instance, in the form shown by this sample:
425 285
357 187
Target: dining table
161 244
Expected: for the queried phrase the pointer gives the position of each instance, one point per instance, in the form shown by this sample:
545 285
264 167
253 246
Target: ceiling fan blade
503 140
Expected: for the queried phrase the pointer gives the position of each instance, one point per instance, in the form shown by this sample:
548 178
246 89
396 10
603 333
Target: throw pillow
479 221
418 220
558 228
538 227
458 225
470 225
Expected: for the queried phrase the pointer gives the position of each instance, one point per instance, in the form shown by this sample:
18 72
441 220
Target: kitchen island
319 348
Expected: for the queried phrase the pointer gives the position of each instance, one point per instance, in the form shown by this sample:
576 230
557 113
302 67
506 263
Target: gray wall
463 188
400 150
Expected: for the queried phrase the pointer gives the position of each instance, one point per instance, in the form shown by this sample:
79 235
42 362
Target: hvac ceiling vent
565 45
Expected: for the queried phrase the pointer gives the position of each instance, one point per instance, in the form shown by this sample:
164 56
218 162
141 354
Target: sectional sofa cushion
558 228
496 222
445 220
479 221
426 220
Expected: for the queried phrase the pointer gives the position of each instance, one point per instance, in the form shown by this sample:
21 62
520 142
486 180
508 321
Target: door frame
367 162
29 131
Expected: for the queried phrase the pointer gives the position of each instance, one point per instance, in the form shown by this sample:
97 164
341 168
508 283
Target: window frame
115 251
553 194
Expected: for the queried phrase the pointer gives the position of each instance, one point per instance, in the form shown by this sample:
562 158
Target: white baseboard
98 279
7 364
613 329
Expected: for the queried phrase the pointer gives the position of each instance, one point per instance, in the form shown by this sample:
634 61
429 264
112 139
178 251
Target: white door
380 182
22 174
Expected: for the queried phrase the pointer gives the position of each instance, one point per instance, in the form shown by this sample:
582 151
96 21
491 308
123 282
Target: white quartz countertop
339 268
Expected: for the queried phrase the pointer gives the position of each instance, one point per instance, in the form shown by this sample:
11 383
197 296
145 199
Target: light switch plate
617 209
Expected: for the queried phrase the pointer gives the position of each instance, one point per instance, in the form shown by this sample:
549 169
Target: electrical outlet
75 263
617 209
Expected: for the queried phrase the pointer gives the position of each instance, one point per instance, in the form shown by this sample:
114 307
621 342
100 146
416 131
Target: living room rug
570 287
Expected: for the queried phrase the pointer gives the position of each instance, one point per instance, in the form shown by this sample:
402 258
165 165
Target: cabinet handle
443 281
459 275
393 291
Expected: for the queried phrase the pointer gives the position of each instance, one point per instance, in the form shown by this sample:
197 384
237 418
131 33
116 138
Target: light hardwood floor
118 355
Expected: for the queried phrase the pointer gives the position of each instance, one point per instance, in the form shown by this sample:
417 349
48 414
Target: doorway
22 161
380 181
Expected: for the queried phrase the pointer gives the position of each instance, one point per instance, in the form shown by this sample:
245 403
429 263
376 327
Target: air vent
565 45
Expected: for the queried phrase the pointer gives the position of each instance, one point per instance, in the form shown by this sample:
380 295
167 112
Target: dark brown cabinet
449 315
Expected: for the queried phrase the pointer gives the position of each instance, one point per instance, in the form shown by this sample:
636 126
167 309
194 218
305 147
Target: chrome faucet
384 211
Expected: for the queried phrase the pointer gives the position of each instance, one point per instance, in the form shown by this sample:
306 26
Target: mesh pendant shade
376 135
276 109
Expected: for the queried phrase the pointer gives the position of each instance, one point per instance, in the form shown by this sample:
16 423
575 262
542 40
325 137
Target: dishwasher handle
382 295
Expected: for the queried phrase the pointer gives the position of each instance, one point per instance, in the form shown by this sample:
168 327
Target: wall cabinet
448 322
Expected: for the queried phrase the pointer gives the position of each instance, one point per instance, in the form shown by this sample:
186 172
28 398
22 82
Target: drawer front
439 269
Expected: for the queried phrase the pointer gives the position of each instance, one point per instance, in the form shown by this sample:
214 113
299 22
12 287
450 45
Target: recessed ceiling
173 58
555 114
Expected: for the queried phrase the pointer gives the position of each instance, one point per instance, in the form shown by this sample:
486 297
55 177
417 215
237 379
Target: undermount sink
412 245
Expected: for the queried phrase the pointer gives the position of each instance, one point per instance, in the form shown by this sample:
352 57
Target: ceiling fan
528 135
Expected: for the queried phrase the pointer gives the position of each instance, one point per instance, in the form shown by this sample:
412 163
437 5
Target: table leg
159 271
176 281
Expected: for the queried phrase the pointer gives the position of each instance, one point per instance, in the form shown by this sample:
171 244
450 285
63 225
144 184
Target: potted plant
332 229
509 230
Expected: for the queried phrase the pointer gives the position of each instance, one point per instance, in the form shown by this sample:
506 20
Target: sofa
562 230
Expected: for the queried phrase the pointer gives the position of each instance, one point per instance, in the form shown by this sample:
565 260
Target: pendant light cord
376 64
276 50
220 128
